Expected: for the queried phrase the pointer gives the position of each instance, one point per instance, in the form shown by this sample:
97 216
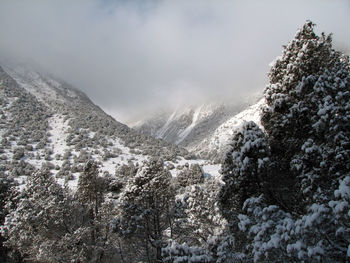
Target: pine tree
307 125
190 175
145 207
46 223
201 233
307 114
91 187
244 170
35 226
6 189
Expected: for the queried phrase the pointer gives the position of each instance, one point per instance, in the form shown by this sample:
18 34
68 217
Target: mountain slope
45 122
187 126
204 130
215 146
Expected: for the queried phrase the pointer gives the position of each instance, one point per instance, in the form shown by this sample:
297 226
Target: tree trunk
159 254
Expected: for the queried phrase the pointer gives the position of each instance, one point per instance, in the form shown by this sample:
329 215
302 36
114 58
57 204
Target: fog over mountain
132 57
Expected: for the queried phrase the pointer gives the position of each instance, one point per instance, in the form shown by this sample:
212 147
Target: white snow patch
58 134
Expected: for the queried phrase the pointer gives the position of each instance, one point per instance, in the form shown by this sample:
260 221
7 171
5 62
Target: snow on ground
72 184
6 112
122 158
172 129
58 128
58 134
21 180
212 170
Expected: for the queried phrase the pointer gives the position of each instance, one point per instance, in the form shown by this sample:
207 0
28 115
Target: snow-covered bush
18 153
321 234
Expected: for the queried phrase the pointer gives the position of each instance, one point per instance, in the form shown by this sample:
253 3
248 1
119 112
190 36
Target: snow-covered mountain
187 126
204 130
46 122
215 145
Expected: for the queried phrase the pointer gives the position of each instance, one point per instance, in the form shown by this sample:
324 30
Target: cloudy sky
134 56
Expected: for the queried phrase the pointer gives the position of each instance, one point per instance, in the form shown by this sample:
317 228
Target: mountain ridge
204 129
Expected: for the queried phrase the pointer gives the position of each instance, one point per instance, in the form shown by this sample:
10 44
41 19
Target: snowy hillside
215 145
45 122
188 126
204 130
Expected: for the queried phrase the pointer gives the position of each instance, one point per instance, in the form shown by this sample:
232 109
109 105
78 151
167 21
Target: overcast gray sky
134 56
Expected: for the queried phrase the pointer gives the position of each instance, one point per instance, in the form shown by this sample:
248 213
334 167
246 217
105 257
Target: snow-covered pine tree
91 187
190 175
201 233
307 118
46 223
6 189
145 210
35 225
184 253
307 126
244 170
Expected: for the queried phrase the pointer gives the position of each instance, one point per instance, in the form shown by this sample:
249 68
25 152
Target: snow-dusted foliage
144 210
298 209
308 125
47 224
321 234
308 113
201 218
245 168
183 253
200 232
39 207
190 175
91 187
6 184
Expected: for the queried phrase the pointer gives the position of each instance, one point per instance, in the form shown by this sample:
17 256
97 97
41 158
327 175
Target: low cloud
132 57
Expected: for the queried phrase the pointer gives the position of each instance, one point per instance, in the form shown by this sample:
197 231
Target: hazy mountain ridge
204 130
215 145
188 126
